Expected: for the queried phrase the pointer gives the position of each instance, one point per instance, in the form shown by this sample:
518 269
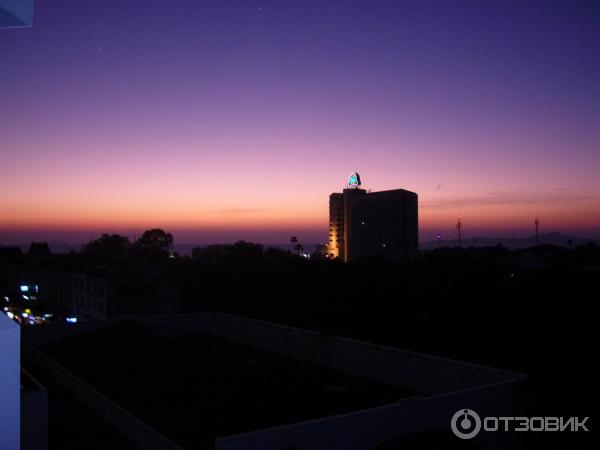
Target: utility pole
459 228
537 237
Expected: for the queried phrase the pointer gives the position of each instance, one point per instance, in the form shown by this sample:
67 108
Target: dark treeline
153 243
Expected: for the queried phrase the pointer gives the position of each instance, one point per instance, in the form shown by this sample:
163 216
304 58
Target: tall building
363 223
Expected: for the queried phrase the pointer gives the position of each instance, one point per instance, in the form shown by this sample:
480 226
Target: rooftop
209 387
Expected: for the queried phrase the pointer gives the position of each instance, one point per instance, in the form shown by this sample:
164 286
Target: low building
215 380
102 292
39 249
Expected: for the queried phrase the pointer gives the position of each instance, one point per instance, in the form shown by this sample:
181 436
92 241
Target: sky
228 120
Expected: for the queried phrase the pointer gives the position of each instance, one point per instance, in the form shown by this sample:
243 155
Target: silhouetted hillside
558 239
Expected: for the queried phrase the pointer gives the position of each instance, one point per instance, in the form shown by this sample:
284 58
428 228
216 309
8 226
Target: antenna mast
537 225
459 228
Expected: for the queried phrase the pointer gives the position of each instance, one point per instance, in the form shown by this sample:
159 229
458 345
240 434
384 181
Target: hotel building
363 223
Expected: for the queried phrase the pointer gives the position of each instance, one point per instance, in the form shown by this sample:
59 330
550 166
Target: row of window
91 287
94 305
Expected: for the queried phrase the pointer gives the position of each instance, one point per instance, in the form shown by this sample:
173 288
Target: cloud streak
514 198
242 210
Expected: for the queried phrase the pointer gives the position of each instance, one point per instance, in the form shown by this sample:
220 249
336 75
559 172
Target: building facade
99 293
368 224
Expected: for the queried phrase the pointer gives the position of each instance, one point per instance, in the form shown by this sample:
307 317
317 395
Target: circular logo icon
465 423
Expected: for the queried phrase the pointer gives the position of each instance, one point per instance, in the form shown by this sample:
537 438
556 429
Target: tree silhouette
154 242
108 245
296 246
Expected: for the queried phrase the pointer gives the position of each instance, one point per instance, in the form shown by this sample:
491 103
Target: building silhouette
363 223
39 249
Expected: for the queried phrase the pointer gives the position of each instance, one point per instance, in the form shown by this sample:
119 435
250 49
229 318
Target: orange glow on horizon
100 217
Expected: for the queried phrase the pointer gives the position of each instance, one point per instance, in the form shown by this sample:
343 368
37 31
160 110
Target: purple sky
235 120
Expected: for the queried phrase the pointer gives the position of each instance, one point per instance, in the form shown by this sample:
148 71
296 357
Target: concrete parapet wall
34 415
364 430
418 372
142 435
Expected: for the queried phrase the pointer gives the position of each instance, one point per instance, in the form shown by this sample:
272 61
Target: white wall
10 383
19 12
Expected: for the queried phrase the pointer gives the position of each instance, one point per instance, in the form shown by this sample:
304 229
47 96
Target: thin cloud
242 210
513 198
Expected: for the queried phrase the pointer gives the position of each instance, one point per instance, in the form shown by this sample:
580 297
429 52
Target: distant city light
25 297
24 288
71 319
10 315
6 298
25 315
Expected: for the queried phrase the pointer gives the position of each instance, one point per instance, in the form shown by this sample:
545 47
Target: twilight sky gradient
232 120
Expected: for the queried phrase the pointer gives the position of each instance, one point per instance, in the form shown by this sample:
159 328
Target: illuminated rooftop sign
354 180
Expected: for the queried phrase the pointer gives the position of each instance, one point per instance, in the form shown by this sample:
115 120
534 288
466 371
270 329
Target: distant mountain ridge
558 239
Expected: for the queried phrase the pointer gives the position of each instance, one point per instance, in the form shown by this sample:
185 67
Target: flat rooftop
194 387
